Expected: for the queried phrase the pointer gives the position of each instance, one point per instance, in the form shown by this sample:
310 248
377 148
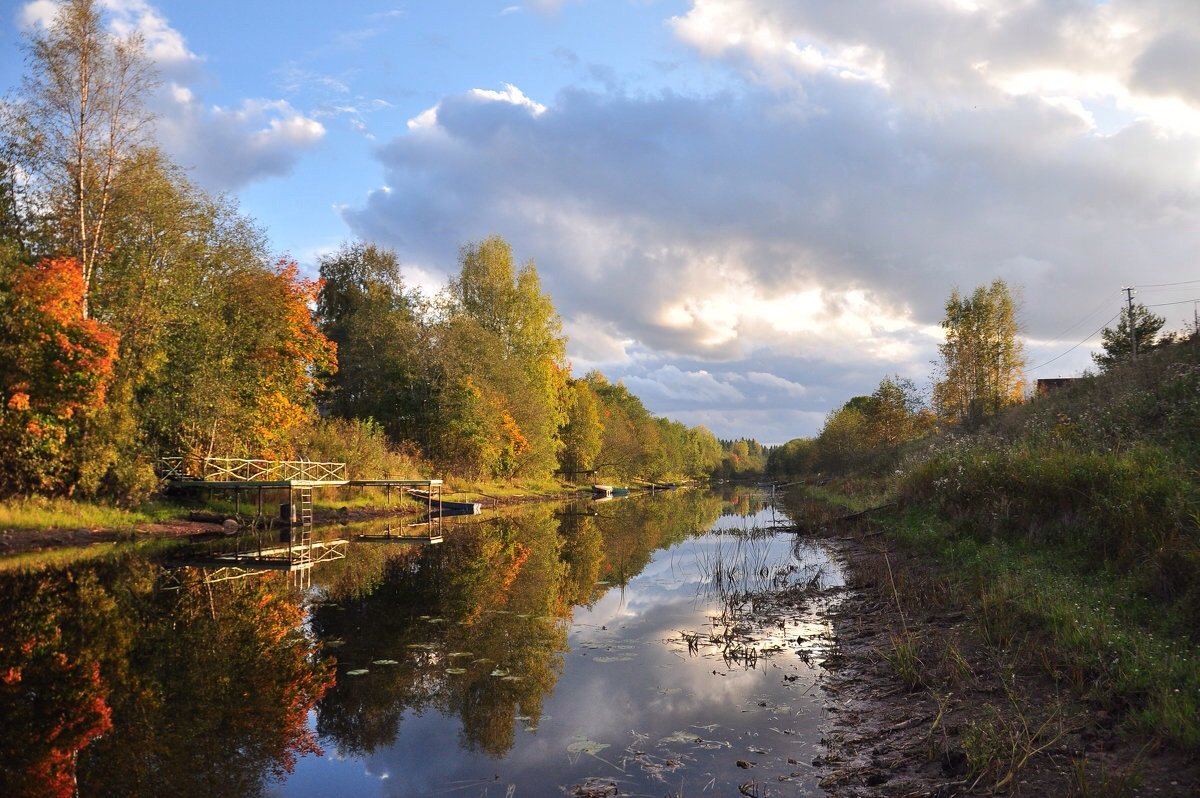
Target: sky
747 210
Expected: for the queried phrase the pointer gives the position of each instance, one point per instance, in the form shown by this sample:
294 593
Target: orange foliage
51 695
288 363
55 366
518 441
513 570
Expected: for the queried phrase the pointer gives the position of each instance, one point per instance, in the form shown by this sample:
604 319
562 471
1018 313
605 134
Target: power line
1167 285
1072 349
1092 313
1180 302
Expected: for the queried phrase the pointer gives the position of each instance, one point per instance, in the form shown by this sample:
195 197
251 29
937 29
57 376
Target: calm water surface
620 644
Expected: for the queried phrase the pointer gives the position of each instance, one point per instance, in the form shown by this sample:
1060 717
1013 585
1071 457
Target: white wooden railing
238 469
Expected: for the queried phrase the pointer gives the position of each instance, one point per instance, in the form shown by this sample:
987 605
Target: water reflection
537 649
127 689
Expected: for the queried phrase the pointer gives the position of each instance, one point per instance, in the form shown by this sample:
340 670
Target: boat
443 507
602 490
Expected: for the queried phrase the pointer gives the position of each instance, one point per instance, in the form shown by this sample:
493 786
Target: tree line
980 372
141 315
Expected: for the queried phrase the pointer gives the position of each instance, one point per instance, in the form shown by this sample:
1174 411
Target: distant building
1054 384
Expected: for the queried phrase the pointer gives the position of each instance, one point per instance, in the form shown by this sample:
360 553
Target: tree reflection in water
111 684
477 626
132 690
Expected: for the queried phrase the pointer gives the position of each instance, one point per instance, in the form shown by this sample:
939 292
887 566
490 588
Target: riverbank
974 668
32 528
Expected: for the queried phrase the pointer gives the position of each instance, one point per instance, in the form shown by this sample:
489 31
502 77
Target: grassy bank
1069 529
58 513
1092 629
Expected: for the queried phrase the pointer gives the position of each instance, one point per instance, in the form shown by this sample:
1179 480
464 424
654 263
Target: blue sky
749 210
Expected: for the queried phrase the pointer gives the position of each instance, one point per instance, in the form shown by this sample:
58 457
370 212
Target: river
635 647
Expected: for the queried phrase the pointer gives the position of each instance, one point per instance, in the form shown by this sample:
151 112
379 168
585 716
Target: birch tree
84 115
982 358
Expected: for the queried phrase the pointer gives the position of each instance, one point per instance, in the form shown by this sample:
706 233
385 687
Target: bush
363 447
1124 506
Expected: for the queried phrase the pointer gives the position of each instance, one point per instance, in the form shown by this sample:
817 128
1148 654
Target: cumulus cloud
672 383
855 169
224 147
230 147
165 46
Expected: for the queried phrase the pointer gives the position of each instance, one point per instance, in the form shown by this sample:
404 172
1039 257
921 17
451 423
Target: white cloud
671 383
770 381
224 147
37 15
229 147
164 45
807 223
511 95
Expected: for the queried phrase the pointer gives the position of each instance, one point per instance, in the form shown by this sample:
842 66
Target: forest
141 316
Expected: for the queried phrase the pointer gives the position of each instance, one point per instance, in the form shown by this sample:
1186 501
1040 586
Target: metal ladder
304 518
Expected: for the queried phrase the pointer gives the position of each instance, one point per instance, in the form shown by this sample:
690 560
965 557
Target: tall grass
60 513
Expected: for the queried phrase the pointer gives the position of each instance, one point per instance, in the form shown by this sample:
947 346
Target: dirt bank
921 705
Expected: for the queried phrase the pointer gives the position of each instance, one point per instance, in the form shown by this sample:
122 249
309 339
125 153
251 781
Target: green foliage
364 309
630 438
505 334
982 357
363 446
744 457
870 433
1094 627
583 434
1119 506
1135 324
797 456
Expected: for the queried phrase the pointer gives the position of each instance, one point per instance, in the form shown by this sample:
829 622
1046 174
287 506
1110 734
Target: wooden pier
296 551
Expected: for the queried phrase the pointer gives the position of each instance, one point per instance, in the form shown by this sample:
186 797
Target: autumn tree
82 115
797 456
505 333
583 434
364 309
1137 323
55 367
627 443
982 356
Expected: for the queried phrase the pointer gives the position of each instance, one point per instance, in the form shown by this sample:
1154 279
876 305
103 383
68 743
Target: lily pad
511 678
455 671
454 654
621 658
582 745
384 662
357 672
499 672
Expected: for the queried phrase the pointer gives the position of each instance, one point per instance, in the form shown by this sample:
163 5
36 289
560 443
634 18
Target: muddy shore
920 705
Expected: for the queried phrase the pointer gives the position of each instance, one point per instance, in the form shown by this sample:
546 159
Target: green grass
1093 629
851 495
43 513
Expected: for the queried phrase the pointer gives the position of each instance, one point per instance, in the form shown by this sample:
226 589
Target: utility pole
1132 326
